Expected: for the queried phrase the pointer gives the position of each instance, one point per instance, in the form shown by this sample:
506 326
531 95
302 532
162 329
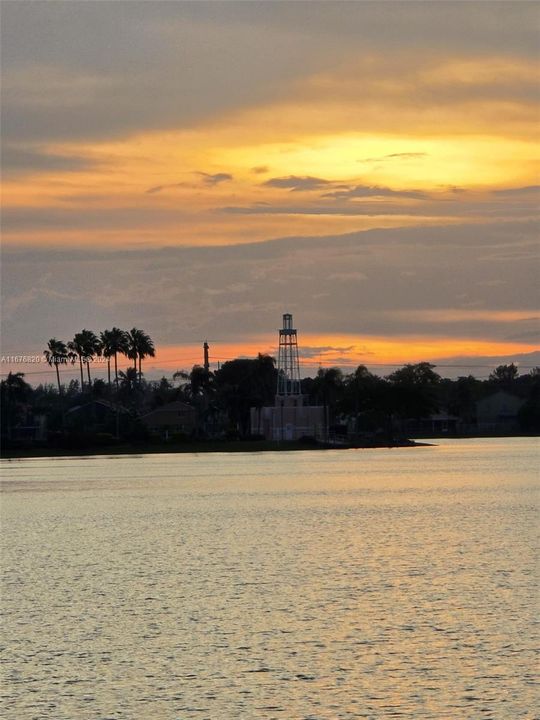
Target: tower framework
288 363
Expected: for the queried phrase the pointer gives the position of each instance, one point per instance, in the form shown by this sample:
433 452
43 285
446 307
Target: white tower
288 364
288 419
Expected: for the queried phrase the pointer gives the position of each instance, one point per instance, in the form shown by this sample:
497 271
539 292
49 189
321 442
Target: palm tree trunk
60 398
82 376
10 419
109 371
140 368
88 373
116 369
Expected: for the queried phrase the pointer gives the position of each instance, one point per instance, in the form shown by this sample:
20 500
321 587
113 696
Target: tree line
134 344
223 398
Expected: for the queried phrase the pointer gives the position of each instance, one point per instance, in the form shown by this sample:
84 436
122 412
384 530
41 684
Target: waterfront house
97 416
174 418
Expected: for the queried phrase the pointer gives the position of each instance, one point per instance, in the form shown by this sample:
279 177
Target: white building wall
288 421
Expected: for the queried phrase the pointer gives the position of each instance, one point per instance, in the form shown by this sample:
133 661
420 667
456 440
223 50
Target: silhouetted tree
195 384
15 392
460 396
92 348
242 384
16 386
117 342
140 346
56 354
327 389
77 346
108 350
361 390
85 346
504 376
529 413
99 388
413 388
163 391
128 379
263 379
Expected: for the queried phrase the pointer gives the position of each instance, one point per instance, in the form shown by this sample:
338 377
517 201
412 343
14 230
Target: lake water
304 585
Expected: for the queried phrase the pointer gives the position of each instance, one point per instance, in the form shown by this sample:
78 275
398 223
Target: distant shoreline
198 447
233 446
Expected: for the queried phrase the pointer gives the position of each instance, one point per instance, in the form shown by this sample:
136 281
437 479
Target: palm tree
91 346
56 353
106 352
109 349
114 341
140 347
128 379
77 346
199 382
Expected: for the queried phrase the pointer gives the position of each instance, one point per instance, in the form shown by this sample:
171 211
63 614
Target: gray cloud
363 202
297 183
230 293
318 209
215 179
101 70
16 220
93 70
362 191
395 156
528 190
18 161
407 155
159 188
372 202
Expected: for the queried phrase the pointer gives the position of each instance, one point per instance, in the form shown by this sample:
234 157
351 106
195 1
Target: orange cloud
405 121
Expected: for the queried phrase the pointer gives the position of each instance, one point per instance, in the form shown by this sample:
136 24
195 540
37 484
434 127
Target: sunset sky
196 169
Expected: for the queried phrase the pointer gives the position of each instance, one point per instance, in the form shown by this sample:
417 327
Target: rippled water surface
337 584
